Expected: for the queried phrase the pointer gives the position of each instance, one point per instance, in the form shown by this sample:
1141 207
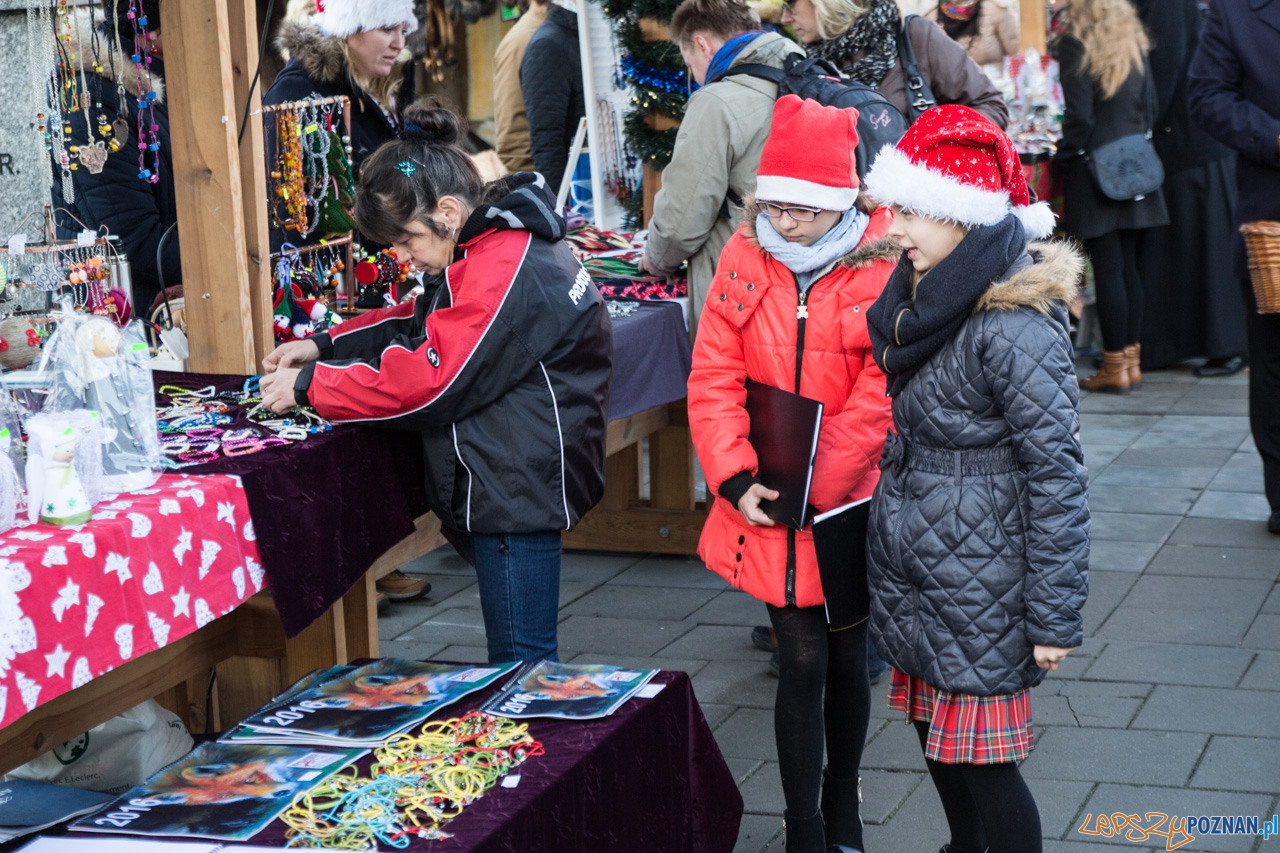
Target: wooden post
210 197
1034 25
243 26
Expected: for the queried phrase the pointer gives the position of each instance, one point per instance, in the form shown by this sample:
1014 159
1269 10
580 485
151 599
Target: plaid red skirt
965 729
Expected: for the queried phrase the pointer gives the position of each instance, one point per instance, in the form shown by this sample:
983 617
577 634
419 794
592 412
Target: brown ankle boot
1133 359
1113 378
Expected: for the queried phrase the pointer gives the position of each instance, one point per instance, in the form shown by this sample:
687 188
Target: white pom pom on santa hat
956 165
342 18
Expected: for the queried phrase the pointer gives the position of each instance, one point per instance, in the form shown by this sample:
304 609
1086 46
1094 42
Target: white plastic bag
113 757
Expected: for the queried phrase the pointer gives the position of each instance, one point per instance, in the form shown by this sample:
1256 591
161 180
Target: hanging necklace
93 153
119 127
39 90
58 129
148 129
318 143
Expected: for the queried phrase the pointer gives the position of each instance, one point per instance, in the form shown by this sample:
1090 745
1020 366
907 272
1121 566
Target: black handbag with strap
920 98
1128 168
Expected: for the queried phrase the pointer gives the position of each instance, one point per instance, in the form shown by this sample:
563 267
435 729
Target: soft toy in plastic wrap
101 367
64 466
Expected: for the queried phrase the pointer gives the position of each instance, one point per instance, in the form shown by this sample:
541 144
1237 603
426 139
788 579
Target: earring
453 235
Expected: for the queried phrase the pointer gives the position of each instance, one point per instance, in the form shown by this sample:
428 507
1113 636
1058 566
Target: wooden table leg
671 469
360 611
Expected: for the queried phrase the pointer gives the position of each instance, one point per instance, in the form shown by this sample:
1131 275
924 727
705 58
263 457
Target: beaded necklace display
45 56
194 425
148 129
290 187
416 784
317 143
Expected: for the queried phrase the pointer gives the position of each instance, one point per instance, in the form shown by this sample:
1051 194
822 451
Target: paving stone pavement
1172 705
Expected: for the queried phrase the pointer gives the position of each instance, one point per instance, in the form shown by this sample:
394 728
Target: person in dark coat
1193 306
551 80
354 49
978 540
1233 94
1107 95
136 210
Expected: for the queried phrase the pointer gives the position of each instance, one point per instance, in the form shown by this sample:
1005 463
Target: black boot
804 834
840 799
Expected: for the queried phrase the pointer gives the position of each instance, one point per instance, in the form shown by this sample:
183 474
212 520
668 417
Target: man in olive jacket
718 147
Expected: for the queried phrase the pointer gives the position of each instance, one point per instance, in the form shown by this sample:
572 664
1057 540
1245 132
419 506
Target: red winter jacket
750 328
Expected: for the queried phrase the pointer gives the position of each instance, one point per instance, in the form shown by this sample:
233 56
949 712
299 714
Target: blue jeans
519 578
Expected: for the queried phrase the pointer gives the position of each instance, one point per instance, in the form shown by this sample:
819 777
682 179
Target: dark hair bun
430 121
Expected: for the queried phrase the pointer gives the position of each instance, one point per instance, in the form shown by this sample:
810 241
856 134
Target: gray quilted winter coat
979 539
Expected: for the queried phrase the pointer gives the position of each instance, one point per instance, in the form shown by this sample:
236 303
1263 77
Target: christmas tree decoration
657 77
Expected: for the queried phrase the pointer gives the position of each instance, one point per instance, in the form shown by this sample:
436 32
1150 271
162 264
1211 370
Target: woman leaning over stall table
504 368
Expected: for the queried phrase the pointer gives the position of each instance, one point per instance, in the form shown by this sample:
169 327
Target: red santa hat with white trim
342 18
956 165
794 170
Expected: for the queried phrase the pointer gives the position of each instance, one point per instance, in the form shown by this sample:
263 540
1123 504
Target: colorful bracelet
199 457
242 447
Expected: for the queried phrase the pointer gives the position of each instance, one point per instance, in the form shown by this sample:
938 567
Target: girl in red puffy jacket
788 307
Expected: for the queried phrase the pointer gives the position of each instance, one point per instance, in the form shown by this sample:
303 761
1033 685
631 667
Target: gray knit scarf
876 32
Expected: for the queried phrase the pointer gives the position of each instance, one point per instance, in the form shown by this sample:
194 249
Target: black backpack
880 123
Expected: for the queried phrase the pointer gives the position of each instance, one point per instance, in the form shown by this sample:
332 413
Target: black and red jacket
505 368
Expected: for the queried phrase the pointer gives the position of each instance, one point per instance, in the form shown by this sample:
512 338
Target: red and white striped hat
956 165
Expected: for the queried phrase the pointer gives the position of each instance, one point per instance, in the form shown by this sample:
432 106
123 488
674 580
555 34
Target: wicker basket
1262 239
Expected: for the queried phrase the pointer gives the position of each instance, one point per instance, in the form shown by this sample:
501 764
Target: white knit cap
342 18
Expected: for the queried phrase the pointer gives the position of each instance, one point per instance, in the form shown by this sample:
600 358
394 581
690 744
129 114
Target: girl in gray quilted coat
979 534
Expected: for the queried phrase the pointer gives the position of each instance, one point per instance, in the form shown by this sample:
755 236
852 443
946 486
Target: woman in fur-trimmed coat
978 540
356 49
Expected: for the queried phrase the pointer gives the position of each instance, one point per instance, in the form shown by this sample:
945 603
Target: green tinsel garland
652 146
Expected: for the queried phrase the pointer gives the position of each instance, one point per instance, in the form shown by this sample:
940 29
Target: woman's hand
292 354
1048 657
749 505
277 386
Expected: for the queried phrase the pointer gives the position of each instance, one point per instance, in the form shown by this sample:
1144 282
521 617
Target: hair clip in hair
407 167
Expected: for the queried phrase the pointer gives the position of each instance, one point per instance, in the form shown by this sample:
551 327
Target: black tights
988 806
1119 287
822 687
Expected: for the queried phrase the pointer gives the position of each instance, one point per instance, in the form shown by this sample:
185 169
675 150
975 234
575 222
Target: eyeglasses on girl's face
799 214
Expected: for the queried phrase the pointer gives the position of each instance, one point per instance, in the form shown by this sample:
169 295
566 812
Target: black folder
784 435
840 544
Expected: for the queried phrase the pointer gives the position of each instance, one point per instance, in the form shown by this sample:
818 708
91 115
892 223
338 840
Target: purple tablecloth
651 359
649 779
324 510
